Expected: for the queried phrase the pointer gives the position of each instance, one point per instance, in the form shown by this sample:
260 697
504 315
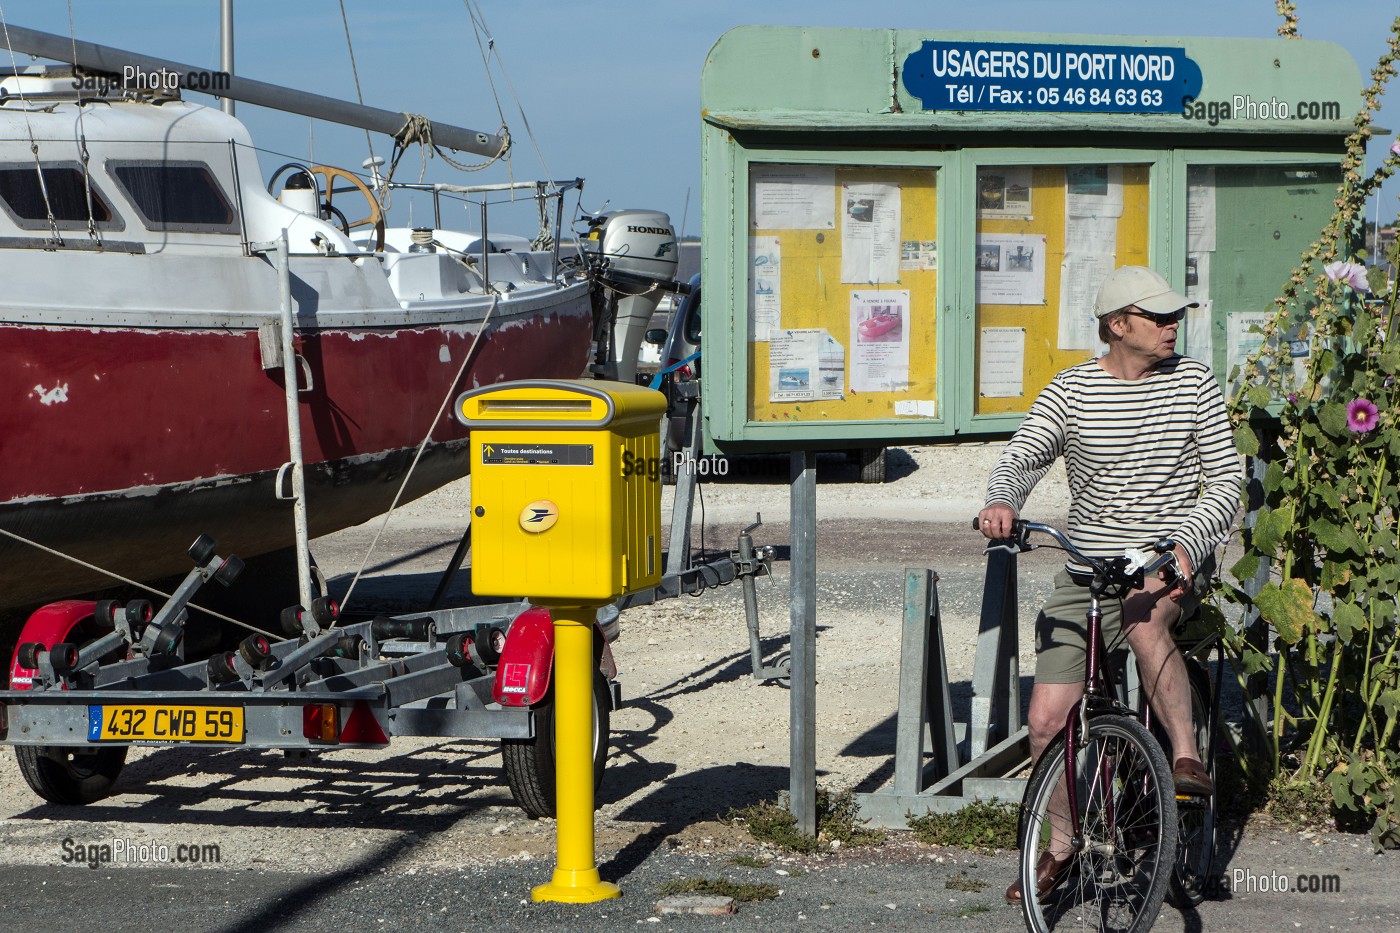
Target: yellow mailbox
566 492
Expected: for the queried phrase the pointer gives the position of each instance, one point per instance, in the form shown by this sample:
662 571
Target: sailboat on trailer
144 397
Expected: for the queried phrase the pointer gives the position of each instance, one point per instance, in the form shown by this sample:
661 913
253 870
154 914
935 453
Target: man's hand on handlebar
995 521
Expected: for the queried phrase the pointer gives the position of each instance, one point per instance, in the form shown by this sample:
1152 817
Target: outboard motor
634 253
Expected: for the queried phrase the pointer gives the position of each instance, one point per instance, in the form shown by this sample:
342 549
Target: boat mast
105 59
226 47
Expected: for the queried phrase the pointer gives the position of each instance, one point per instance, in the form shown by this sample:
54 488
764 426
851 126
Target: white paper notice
870 248
765 286
1004 191
1080 278
1198 276
1002 362
1086 236
792 197
805 365
1200 209
880 341
831 363
1011 269
1199 340
1094 190
918 256
1240 342
793 365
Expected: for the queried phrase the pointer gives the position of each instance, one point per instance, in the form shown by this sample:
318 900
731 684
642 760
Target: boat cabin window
24 196
176 196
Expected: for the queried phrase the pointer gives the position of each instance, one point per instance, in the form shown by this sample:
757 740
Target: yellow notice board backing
1082 241
841 329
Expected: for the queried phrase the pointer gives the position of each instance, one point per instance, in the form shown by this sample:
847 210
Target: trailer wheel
529 763
71 775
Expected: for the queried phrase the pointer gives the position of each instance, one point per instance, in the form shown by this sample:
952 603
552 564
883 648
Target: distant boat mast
226 47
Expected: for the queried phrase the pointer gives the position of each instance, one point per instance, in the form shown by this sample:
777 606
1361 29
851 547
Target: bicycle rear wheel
1196 815
1123 859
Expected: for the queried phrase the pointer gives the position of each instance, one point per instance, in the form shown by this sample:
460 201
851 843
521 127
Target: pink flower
1352 273
1362 415
1395 147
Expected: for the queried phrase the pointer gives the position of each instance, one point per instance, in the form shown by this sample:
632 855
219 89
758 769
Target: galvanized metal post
289 379
802 782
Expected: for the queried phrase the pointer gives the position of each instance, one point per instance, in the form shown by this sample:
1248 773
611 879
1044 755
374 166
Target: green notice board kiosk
904 230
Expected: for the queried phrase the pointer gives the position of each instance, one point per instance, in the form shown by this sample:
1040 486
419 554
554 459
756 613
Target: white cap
1138 285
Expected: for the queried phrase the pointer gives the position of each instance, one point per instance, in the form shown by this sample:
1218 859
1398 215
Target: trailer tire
529 763
71 775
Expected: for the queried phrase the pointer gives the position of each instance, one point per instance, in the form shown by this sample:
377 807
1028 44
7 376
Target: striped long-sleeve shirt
1146 459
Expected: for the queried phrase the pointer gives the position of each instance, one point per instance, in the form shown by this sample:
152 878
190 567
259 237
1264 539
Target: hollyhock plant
1351 273
1395 147
1362 415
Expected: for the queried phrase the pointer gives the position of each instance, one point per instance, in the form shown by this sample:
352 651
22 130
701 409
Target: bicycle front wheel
1124 848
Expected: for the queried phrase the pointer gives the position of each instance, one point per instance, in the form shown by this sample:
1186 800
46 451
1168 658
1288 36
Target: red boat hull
121 445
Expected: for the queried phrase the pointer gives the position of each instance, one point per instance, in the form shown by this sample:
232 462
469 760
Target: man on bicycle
1149 454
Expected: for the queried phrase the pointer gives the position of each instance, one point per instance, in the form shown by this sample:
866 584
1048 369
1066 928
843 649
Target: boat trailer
90 679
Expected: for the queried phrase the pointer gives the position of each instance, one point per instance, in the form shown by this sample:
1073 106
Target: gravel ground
425 832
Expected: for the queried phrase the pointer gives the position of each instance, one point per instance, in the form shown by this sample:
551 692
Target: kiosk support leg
576 879
803 619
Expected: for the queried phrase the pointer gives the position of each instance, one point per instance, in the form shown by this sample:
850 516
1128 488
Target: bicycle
1115 818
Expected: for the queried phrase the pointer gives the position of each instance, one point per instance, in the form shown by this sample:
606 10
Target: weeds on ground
748 861
980 826
719 887
962 881
971 910
837 822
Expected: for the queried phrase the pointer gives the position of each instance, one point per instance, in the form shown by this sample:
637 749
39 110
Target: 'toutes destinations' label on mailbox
551 454
1078 78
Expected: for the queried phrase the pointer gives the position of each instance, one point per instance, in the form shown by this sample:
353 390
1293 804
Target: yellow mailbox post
566 510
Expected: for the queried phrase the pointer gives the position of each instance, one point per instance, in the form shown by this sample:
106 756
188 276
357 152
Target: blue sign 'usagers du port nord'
1018 76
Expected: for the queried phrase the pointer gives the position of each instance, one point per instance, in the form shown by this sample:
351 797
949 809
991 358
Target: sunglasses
1161 320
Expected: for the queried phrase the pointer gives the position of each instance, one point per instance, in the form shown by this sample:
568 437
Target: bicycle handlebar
1107 568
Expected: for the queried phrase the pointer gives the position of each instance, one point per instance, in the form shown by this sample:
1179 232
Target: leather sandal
1191 777
1050 870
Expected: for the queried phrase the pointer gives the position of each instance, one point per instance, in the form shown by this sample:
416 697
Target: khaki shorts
1061 629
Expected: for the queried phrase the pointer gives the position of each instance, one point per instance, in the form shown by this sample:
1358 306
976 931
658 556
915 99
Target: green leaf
1329 495
1390 702
1254 662
1273 476
1271 527
1349 620
1246 441
1260 396
1245 568
1287 608
1389 361
1333 418
1337 538
1339 782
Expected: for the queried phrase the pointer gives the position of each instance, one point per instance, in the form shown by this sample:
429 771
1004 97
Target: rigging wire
57 238
355 71
447 398
140 586
82 139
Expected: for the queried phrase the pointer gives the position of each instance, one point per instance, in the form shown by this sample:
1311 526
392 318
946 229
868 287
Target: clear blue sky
610 87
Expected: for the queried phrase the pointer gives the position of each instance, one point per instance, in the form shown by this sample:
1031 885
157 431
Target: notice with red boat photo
880 341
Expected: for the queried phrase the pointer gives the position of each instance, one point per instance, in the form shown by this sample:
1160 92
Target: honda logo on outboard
658 231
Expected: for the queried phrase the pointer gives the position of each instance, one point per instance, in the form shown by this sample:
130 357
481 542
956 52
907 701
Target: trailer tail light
361 728
320 722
